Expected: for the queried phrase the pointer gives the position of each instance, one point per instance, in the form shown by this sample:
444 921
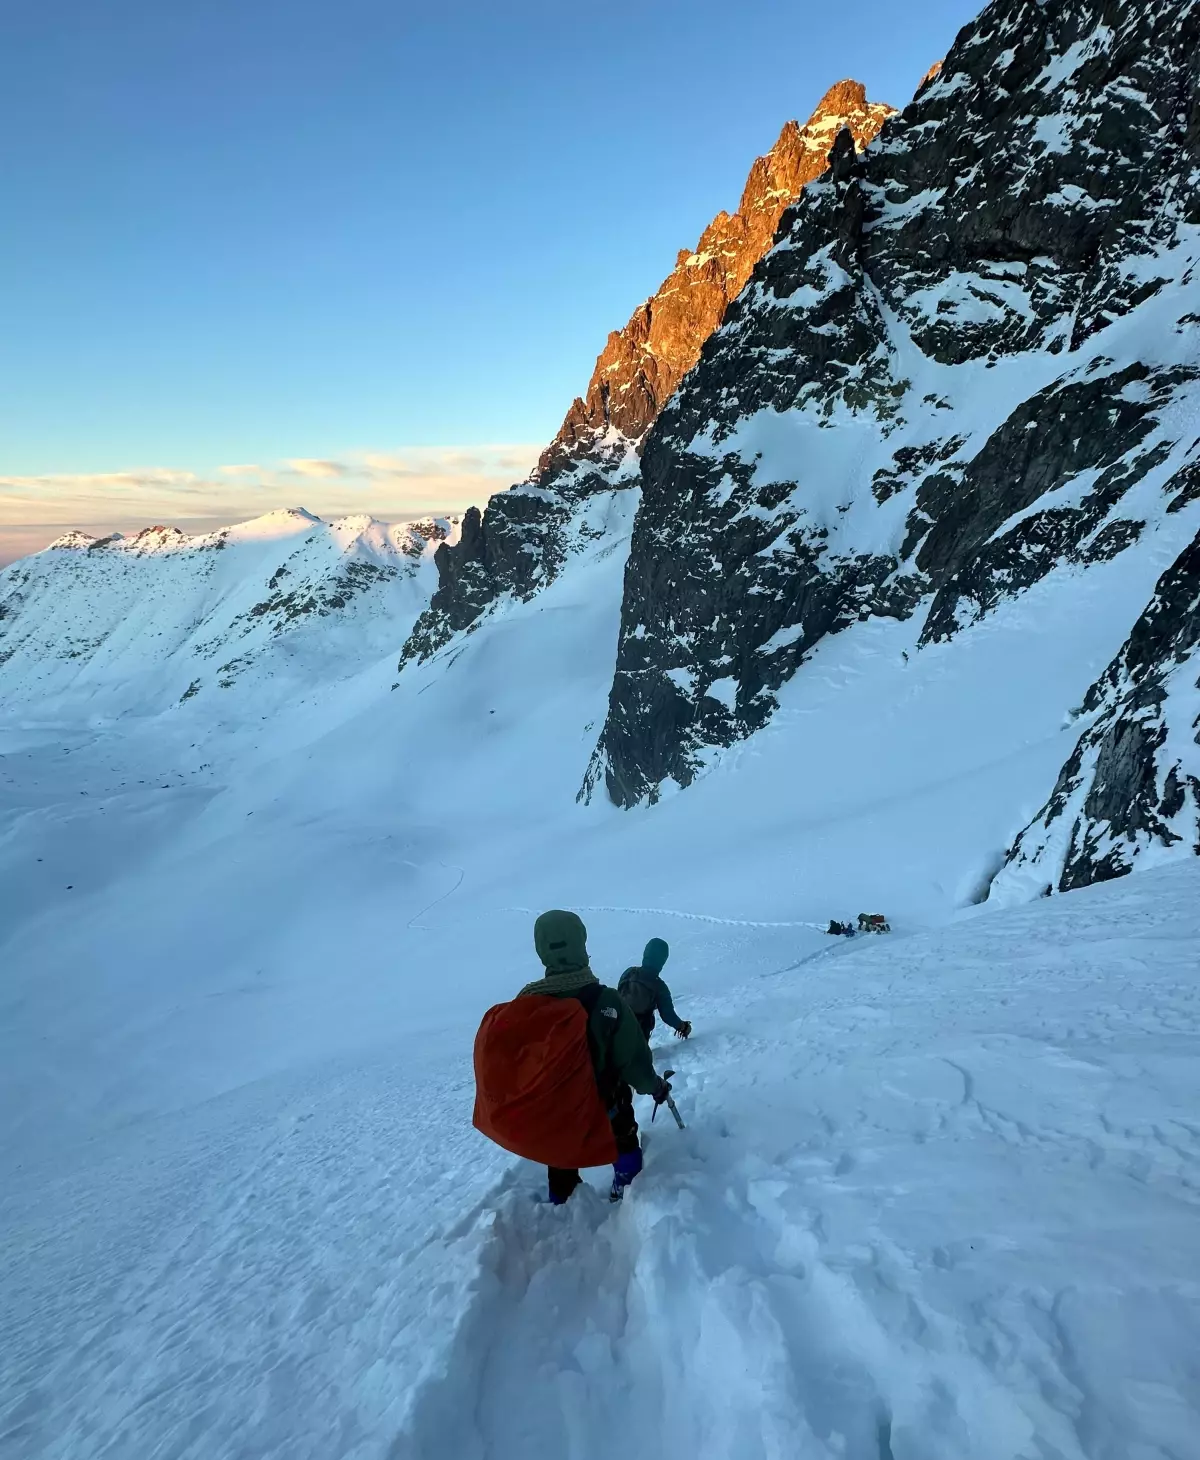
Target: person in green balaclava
645 991
620 1056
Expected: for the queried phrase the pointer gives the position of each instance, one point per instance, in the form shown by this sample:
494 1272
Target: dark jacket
619 1050
646 992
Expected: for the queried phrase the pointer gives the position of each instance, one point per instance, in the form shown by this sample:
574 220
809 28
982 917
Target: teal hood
655 956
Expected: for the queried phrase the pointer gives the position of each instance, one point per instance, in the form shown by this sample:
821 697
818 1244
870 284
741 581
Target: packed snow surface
937 1195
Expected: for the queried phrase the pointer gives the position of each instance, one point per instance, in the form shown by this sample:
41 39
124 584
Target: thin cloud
304 466
434 461
391 485
61 497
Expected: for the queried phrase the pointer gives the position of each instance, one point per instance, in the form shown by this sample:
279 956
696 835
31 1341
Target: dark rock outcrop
1133 781
1056 436
841 450
519 543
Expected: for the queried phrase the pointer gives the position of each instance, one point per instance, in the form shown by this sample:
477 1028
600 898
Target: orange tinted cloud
392 485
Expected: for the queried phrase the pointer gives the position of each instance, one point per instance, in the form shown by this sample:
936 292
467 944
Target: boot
562 1184
625 1168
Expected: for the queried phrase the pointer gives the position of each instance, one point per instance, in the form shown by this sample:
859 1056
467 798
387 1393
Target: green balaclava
561 941
656 955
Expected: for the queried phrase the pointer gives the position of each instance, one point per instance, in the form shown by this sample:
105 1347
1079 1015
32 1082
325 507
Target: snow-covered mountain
968 368
961 390
142 623
897 612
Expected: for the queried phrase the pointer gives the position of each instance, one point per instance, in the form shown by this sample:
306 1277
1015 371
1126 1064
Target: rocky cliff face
642 364
971 359
520 542
1132 786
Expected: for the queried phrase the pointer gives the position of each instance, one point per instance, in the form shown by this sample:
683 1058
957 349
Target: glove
662 1091
685 1030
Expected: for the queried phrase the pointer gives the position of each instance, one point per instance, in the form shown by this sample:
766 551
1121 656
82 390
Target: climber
554 1067
645 991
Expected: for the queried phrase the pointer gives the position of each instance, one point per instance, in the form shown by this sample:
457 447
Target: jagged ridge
144 621
642 364
518 545
841 449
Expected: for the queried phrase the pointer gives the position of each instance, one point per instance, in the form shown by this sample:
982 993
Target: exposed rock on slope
1132 786
971 359
519 543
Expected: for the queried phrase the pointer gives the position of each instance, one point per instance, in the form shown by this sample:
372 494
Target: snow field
937 1193
911 1216
936 1197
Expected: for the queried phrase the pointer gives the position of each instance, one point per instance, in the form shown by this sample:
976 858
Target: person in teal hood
645 991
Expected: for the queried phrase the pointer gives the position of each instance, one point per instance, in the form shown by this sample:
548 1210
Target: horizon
196 529
262 268
397 487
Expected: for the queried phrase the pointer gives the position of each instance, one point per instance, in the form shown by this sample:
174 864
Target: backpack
637 988
535 1084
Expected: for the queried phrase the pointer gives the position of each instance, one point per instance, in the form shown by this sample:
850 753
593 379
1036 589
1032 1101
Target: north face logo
610 1013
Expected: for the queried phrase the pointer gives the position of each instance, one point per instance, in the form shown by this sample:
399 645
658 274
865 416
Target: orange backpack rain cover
535 1089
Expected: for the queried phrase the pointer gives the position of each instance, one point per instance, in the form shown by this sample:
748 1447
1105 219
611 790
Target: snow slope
936 1198
937 1193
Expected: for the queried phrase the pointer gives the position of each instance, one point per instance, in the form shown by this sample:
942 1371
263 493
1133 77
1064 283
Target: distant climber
554 1067
645 991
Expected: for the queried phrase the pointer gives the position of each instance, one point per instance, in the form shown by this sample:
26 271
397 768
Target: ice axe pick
669 1102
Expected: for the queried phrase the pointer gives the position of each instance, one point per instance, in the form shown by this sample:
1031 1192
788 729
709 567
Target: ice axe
669 1102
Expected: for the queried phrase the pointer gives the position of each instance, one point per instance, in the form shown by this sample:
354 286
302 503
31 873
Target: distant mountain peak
160 618
278 522
79 541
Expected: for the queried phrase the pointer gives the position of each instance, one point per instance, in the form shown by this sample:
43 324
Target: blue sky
249 233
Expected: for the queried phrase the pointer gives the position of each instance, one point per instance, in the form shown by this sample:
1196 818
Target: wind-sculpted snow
143 623
972 360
